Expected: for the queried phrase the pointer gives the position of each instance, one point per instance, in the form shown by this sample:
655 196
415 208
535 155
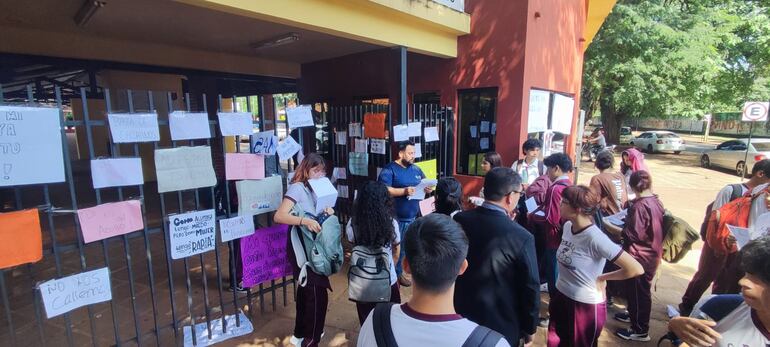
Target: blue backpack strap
383 332
482 337
720 306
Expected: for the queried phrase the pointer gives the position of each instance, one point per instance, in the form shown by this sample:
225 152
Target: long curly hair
373 216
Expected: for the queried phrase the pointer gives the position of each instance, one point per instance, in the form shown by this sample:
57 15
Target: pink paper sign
112 219
427 206
264 255
244 166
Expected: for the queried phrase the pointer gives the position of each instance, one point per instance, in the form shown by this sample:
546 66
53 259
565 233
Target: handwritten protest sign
184 168
218 333
374 125
244 166
236 227
30 146
300 116
255 197
288 148
415 129
362 145
358 163
235 123
342 138
192 233
400 132
428 168
354 129
68 293
189 125
134 127
431 134
264 143
379 146
23 227
116 172
264 255
112 219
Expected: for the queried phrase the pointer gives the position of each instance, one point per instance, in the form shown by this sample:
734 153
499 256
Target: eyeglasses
516 191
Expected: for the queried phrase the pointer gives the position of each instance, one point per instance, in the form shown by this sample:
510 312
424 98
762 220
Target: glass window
762 146
477 117
667 136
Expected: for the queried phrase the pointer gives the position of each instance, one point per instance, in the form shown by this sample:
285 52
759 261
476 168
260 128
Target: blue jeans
550 269
402 226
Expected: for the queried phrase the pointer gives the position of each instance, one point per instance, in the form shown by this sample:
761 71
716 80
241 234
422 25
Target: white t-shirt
396 240
739 328
411 328
581 260
528 172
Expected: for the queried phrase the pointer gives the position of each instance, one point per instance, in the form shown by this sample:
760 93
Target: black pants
312 302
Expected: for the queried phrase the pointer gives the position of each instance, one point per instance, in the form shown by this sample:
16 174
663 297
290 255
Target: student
631 161
401 177
312 299
643 239
491 161
711 265
436 248
449 196
372 225
500 289
734 320
529 168
577 309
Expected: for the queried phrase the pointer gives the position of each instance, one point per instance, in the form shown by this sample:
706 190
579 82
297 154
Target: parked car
732 155
658 141
625 135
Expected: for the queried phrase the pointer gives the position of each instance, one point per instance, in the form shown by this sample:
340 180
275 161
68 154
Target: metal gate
153 296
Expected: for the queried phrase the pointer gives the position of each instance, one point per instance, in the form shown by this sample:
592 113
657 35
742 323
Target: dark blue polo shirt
397 176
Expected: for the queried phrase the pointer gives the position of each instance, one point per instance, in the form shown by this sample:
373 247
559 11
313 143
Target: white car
625 135
732 155
658 141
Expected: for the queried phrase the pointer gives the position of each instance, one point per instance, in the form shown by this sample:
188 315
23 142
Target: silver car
658 141
731 155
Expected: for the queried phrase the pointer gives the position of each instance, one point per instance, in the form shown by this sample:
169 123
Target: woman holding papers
577 308
313 298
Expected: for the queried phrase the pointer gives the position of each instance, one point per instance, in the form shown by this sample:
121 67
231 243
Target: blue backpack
321 251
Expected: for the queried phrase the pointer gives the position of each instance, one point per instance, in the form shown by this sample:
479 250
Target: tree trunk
612 121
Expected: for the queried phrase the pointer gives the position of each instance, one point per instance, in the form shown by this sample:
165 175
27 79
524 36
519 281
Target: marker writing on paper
7 171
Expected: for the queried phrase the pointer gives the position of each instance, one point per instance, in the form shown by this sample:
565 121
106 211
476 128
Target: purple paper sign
264 255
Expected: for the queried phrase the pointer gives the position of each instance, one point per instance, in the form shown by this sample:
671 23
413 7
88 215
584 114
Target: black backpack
383 332
737 190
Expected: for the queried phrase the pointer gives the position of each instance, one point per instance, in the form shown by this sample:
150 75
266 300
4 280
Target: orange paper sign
374 125
23 239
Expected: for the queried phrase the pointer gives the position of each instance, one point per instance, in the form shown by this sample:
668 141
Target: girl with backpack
375 236
313 298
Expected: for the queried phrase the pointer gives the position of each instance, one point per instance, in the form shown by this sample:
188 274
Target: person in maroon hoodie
643 240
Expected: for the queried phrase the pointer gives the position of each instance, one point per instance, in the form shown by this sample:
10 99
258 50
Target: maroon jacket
643 231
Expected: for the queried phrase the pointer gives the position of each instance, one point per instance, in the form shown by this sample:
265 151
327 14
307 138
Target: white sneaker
296 341
544 288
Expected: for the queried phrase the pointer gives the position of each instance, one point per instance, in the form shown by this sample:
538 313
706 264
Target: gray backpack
369 275
322 252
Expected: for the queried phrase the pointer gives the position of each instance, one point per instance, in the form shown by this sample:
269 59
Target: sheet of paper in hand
419 191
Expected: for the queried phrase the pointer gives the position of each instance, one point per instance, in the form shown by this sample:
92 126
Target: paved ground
683 187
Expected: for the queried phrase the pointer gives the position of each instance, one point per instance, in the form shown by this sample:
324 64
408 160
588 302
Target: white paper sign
217 331
355 130
116 172
342 191
184 168
235 123
68 293
262 196
133 127
300 116
484 143
415 129
189 126
361 145
474 131
264 143
400 133
340 173
418 150
378 146
342 138
742 235
431 134
494 128
484 126
419 191
192 233
236 227
30 146
326 194
563 109
537 119
531 204
288 148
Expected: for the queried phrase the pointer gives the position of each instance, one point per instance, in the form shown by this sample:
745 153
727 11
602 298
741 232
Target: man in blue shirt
401 177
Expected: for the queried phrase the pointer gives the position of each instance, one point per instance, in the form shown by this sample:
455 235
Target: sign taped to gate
71 292
244 166
235 123
262 196
374 125
134 127
236 227
116 172
431 134
30 146
264 255
23 227
192 233
265 142
429 168
184 168
358 163
378 146
300 116
111 219
288 148
189 125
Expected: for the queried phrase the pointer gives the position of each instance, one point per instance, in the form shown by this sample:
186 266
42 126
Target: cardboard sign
201 331
71 292
537 119
326 194
358 163
244 166
265 142
184 168
342 138
288 148
362 145
235 123
563 109
374 125
23 228
431 134
415 129
428 168
300 116
264 255
354 129
236 227
189 125
400 133
256 197
116 172
192 233
30 146
134 127
111 219
427 206
379 146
